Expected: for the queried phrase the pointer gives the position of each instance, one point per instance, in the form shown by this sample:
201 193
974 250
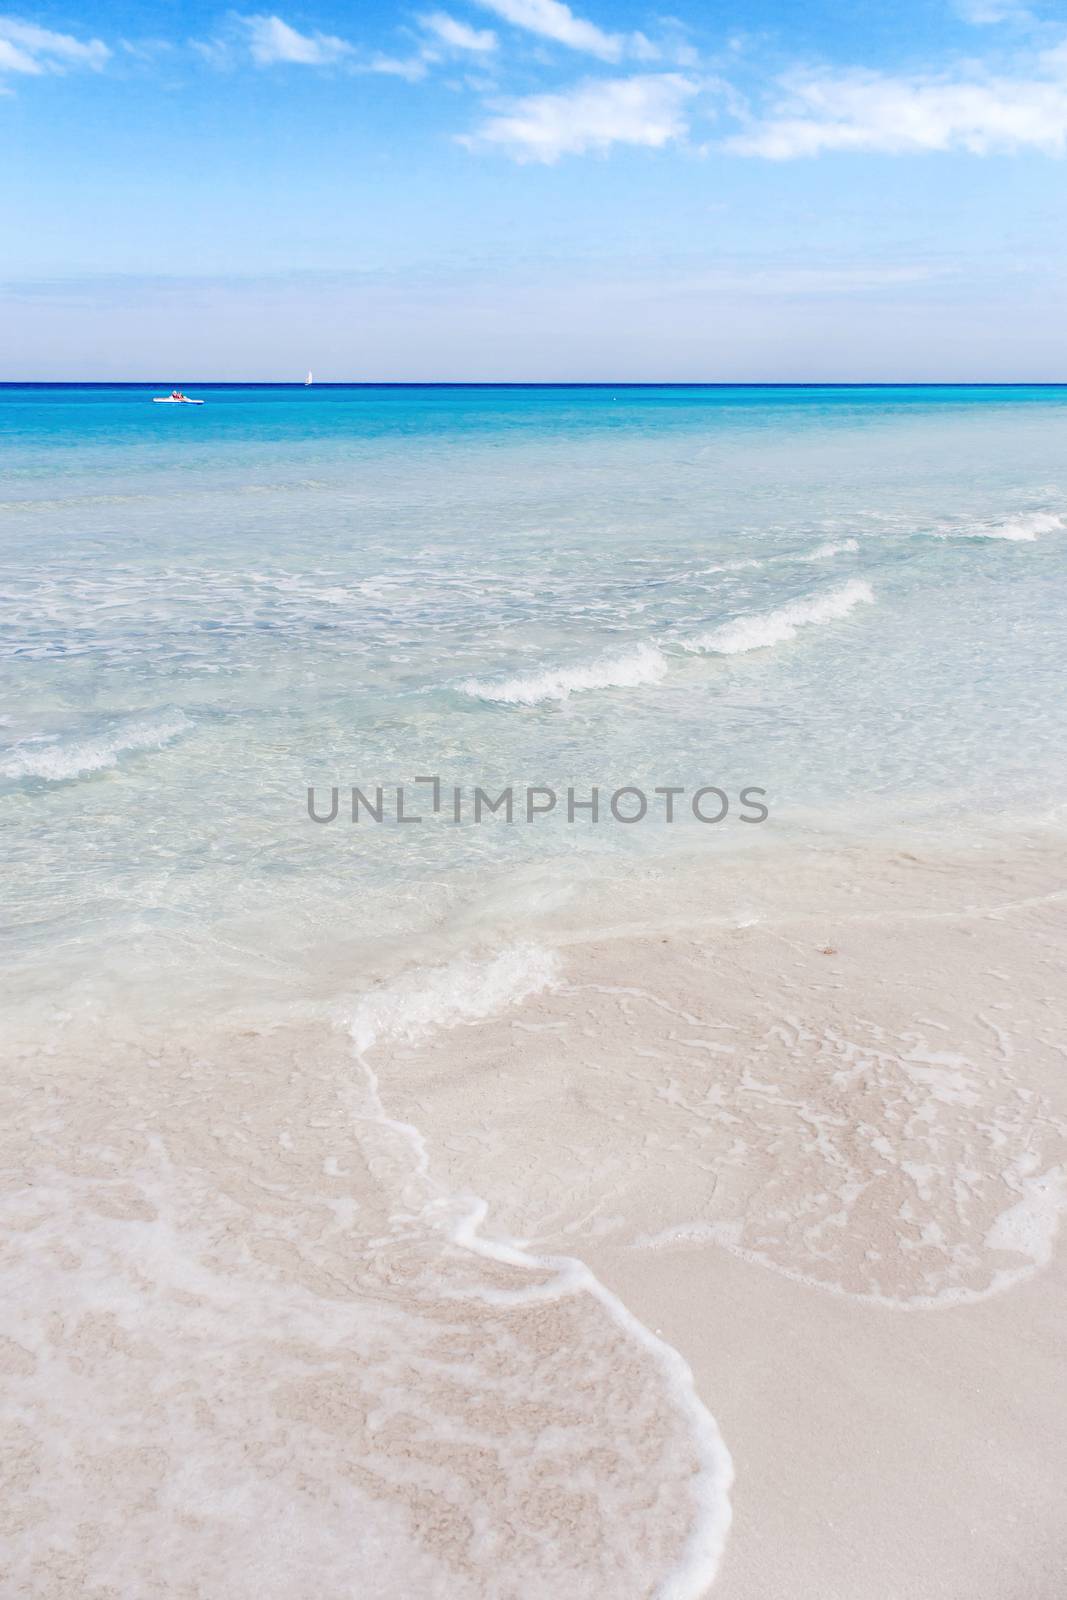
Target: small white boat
176 399
307 380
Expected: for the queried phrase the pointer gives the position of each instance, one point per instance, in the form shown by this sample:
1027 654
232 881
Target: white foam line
707 1539
645 664
735 566
58 760
761 629
825 552
465 992
1023 529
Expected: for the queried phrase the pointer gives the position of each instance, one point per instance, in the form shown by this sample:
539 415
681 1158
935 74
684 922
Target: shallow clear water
850 598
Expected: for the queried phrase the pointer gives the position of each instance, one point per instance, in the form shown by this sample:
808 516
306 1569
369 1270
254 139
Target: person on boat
176 394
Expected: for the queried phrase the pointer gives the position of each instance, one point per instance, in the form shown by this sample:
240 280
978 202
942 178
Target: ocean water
287 1287
852 599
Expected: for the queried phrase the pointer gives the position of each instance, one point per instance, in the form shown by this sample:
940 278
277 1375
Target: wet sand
406 1300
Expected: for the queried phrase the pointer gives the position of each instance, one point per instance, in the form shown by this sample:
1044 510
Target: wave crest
1023 529
646 664
58 760
763 629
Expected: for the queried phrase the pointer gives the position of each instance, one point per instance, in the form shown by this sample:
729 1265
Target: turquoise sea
852 599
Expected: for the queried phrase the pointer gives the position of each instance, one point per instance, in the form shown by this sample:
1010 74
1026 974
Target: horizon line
539 383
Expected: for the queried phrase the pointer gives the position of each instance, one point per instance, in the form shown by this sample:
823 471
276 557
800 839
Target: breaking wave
57 760
1023 529
765 628
646 664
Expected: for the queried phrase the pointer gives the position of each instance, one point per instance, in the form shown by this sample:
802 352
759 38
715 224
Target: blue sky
523 189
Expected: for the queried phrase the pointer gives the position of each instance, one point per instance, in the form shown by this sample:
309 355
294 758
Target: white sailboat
307 380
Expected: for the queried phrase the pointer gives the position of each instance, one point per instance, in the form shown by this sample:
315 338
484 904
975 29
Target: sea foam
412 1007
57 760
1023 529
645 664
762 629
825 552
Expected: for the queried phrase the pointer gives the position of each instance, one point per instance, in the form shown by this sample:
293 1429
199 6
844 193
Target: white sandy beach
281 1323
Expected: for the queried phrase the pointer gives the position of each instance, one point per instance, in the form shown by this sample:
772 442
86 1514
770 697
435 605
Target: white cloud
411 68
458 35
31 50
592 116
553 20
873 111
146 49
218 53
271 40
